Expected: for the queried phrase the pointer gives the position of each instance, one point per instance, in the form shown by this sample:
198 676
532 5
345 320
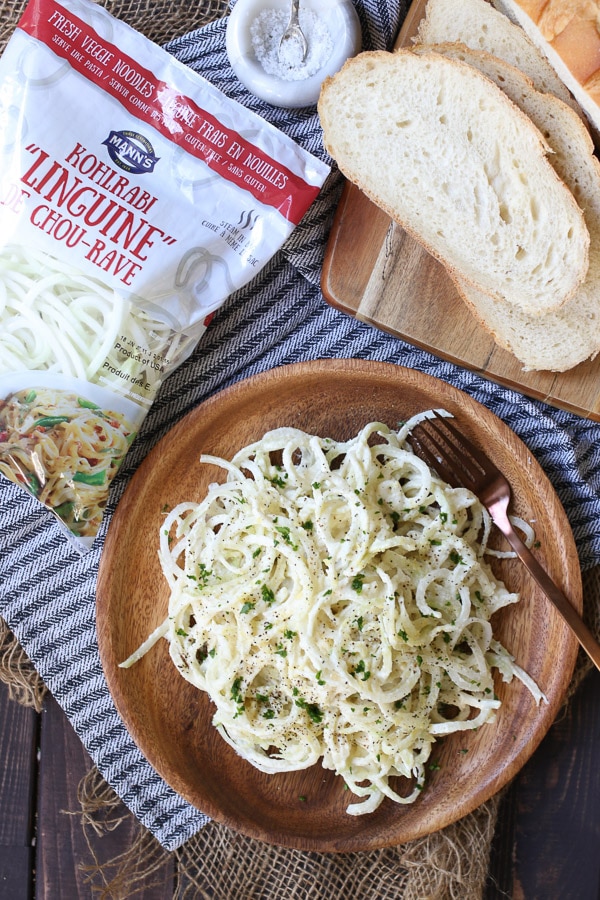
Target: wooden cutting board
377 273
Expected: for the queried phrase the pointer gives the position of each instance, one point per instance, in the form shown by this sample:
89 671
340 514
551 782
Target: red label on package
172 114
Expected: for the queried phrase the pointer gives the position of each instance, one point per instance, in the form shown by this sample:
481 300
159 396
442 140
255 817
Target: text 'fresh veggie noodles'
122 231
333 600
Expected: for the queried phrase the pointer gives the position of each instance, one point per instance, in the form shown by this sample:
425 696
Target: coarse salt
266 32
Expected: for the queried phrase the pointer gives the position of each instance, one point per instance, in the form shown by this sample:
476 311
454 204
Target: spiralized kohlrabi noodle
334 602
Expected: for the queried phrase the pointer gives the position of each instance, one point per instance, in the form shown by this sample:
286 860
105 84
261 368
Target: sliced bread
447 155
572 149
478 25
556 340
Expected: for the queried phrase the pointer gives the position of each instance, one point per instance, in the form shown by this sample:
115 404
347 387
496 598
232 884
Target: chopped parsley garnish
237 696
361 669
277 480
314 713
284 531
267 594
357 583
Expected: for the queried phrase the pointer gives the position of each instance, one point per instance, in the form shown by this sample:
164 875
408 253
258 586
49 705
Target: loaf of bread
452 159
479 26
556 340
567 32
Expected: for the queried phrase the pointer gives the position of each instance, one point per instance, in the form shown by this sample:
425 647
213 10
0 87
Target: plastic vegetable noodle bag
135 197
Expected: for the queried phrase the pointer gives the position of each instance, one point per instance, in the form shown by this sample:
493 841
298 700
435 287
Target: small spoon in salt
293 43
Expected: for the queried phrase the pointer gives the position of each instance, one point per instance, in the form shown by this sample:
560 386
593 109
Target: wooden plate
171 721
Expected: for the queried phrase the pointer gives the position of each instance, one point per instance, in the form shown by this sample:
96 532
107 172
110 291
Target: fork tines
441 445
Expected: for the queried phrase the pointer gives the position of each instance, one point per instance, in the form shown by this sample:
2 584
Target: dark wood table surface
547 843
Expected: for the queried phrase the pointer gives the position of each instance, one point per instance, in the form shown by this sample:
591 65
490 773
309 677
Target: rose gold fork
459 462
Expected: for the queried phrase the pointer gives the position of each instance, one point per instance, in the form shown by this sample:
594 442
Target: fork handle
564 607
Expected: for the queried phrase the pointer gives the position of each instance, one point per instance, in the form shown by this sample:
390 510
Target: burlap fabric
161 21
217 862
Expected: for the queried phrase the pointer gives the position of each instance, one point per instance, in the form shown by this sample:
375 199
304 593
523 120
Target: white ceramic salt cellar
254 27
